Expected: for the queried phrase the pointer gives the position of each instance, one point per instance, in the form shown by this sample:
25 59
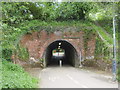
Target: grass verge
14 76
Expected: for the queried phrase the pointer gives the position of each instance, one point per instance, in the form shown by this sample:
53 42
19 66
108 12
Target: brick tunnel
40 46
70 54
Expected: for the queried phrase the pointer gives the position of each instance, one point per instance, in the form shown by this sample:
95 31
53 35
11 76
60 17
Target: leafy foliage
14 76
14 13
22 53
7 53
10 35
72 10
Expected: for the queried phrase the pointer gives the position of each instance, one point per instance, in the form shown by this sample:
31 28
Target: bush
23 53
7 53
14 76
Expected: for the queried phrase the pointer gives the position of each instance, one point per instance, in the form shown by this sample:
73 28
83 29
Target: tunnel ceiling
70 53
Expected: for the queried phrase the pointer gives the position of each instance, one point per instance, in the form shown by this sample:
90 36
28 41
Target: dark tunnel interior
70 53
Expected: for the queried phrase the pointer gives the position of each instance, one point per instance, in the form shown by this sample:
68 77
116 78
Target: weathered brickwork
37 42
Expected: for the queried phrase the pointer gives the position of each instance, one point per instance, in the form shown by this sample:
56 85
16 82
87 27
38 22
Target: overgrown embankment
14 76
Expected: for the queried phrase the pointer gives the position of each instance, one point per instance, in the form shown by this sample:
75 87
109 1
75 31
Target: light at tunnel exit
61 50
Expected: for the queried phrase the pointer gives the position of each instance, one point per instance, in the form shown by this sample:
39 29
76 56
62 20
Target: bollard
60 63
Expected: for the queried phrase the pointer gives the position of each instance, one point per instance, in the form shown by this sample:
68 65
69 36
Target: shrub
7 53
23 53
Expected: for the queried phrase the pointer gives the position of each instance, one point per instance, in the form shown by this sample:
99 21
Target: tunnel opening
61 50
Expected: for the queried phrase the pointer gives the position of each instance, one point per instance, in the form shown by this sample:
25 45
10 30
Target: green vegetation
107 39
7 54
24 17
14 76
118 76
19 18
102 51
36 25
22 53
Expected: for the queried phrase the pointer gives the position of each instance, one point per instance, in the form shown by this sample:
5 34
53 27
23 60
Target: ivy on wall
22 53
88 34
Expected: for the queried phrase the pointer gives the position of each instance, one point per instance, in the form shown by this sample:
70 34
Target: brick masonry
37 42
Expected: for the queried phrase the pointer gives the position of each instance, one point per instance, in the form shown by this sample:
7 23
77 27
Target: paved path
70 77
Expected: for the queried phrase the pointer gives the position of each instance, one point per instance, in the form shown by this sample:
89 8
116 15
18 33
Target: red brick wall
37 42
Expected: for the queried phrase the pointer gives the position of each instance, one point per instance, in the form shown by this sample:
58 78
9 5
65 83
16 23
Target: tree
15 13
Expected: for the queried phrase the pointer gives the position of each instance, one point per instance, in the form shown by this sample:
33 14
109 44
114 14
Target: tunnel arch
71 55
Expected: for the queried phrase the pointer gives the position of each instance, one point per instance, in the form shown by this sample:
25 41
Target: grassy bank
14 76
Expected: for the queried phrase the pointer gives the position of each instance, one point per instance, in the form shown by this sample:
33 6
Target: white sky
59 0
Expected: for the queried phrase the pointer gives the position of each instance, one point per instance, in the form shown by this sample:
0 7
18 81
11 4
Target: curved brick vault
71 54
38 45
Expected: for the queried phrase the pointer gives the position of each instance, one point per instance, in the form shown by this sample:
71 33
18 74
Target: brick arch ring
71 53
